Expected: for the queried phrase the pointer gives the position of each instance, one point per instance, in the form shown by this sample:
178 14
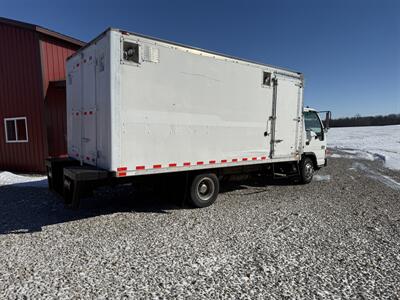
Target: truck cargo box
139 105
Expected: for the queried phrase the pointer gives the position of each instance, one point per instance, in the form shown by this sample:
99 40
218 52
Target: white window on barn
16 130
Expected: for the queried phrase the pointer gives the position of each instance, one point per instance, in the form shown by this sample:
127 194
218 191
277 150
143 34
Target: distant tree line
392 119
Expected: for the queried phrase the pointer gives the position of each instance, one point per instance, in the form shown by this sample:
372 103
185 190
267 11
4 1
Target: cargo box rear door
88 113
286 116
74 105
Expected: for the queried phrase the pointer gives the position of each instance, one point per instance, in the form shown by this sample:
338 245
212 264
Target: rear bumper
54 169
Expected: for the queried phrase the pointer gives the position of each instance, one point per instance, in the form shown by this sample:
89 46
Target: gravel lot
338 237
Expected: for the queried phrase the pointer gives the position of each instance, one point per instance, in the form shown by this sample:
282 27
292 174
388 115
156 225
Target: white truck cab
315 140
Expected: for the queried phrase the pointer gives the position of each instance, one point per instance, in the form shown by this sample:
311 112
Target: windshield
312 122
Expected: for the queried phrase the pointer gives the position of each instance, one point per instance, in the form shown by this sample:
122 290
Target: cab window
312 122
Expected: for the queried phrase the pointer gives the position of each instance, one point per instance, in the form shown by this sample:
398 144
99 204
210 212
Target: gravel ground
336 238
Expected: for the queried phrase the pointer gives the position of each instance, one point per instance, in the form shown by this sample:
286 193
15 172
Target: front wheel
204 190
306 170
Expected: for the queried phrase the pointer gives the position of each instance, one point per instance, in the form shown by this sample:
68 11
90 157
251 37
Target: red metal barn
32 94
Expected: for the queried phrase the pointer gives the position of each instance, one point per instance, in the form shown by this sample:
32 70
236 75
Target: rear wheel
204 190
306 170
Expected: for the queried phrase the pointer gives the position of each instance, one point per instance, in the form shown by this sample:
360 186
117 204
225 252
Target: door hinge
277 141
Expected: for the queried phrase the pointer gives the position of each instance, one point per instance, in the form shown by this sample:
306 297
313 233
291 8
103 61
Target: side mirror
327 120
313 134
310 134
328 116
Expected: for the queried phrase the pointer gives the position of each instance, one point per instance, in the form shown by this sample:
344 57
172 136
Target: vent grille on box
151 54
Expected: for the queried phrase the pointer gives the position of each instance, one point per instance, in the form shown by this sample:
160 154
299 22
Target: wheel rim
205 189
308 171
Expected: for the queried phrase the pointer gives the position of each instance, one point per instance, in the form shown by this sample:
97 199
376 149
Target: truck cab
315 139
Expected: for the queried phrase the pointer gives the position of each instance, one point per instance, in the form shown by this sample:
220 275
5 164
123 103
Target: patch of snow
8 178
350 156
372 142
322 177
359 154
386 180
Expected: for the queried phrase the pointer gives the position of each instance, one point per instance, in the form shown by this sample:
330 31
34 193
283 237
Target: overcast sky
349 51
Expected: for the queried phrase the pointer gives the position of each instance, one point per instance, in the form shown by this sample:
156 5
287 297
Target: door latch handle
86 140
266 133
277 141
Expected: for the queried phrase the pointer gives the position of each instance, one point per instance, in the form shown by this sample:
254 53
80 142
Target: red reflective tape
85 113
186 163
223 160
90 113
156 166
87 157
234 160
172 165
139 167
122 169
254 158
200 162
244 158
77 65
263 157
212 162
122 174
77 114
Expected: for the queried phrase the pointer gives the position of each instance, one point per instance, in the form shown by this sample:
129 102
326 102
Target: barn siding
21 95
54 54
56 120
29 60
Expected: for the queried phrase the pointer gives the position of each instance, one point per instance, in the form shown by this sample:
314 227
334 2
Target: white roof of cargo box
199 50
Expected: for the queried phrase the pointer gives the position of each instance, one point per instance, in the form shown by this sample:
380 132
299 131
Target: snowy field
372 142
8 178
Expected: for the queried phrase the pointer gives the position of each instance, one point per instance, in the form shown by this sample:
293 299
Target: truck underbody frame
73 181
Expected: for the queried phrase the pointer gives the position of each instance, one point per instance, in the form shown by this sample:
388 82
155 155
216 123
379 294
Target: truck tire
306 170
204 190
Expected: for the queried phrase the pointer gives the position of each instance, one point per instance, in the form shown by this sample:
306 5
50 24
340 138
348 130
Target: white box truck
139 106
